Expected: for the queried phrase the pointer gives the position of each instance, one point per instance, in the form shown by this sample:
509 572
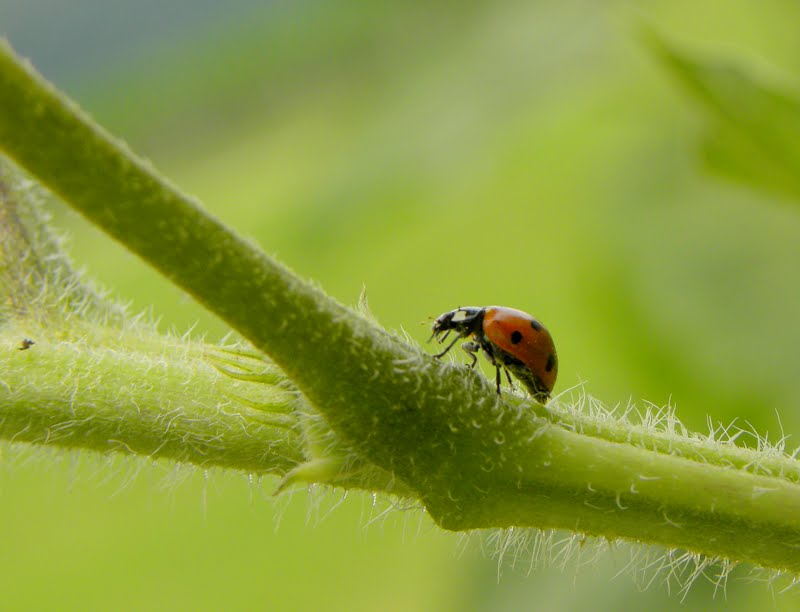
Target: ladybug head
464 321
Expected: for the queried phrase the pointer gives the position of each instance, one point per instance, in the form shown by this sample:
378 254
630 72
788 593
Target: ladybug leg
449 346
436 333
471 348
487 350
508 376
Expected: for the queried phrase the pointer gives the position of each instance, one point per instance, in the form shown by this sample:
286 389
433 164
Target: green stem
163 400
557 478
474 459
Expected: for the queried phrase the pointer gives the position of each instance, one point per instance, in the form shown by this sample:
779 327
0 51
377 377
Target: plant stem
558 478
163 400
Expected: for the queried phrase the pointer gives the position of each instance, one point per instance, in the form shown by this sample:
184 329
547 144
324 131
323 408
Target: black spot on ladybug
516 337
551 362
536 325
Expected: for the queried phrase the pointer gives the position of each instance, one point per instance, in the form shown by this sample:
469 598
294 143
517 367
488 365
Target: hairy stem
163 400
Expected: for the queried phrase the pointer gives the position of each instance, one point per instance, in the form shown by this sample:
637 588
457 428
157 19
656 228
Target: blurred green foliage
755 135
536 155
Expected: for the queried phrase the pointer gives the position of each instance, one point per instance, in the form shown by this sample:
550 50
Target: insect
512 340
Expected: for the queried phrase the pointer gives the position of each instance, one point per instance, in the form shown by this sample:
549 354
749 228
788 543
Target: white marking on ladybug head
459 316
464 312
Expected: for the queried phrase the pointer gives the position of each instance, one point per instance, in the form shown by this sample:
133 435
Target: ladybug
512 340
25 344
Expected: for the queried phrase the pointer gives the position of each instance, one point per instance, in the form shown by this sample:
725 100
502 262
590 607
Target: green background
535 155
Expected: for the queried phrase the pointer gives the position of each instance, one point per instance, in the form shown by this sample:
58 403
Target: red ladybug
511 339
